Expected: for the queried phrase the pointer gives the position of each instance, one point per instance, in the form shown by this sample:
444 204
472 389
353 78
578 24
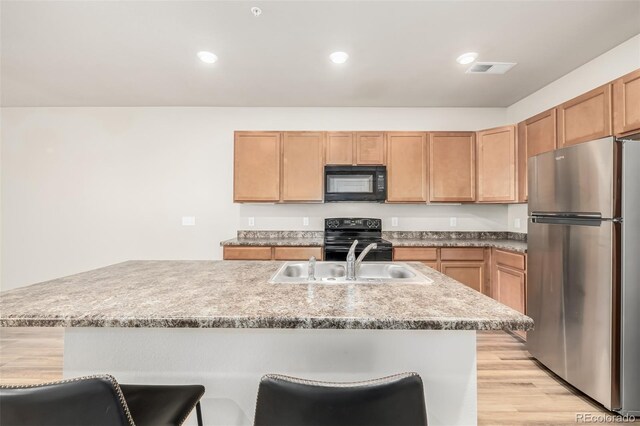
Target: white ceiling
128 53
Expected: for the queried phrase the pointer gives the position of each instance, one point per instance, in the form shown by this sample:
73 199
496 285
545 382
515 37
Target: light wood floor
513 389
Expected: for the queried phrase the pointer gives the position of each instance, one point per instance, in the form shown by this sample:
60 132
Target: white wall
619 61
88 187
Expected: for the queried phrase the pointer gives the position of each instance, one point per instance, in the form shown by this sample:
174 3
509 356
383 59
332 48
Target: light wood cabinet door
297 253
370 148
540 133
585 118
471 274
434 265
406 167
452 171
497 165
302 166
340 147
521 166
626 103
509 287
246 253
536 135
256 169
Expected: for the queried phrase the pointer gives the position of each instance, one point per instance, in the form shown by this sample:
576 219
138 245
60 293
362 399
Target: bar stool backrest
391 401
92 400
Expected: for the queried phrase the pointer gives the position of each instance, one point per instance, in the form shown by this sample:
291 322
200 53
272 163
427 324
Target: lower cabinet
500 274
246 253
271 253
472 274
467 265
509 280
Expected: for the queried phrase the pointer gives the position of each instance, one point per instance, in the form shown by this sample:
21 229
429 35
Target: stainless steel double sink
335 273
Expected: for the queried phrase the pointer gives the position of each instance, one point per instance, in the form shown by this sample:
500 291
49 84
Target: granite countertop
236 294
276 242
511 245
503 240
277 238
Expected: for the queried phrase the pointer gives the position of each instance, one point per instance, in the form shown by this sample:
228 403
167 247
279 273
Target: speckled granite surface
236 294
277 238
505 240
459 235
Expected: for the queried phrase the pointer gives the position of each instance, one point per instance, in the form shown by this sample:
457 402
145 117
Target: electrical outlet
453 222
188 221
252 221
516 223
305 221
394 221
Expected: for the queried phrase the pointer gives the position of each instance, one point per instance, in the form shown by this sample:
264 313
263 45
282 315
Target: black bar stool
98 401
390 401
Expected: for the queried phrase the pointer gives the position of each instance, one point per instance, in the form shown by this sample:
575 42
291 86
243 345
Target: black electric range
339 234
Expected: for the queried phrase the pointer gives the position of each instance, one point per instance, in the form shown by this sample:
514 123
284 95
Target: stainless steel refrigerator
583 279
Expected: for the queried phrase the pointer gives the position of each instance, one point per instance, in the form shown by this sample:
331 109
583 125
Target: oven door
355 183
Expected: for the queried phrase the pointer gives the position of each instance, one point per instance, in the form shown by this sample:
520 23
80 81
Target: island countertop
235 294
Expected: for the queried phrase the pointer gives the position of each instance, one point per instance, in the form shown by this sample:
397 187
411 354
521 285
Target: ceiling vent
490 67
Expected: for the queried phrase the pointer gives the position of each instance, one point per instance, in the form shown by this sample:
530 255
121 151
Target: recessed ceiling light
207 57
256 11
467 58
339 57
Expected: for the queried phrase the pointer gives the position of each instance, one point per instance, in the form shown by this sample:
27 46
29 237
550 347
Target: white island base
229 363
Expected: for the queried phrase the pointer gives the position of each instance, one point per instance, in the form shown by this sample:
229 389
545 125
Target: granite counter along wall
513 241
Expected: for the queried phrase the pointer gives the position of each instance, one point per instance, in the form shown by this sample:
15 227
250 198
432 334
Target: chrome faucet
352 263
311 275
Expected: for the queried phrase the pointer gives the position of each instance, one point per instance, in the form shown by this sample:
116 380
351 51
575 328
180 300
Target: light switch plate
305 221
453 222
188 220
252 221
516 223
394 221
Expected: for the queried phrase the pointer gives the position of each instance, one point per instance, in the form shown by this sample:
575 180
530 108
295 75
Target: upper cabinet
521 165
585 118
496 150
626 104
256 172
355 148
406 167
452 171
302 166
540 133
340 148
536 135
370 148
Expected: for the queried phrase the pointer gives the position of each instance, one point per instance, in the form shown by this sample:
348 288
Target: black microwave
355 183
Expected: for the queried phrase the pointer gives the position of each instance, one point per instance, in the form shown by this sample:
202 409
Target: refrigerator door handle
556 220
585 215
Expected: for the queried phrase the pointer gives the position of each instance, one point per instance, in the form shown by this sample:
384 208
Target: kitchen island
224 325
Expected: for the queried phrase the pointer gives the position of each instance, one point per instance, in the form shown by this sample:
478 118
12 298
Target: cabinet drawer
462 253
415 253
247 253
297 253
513 260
